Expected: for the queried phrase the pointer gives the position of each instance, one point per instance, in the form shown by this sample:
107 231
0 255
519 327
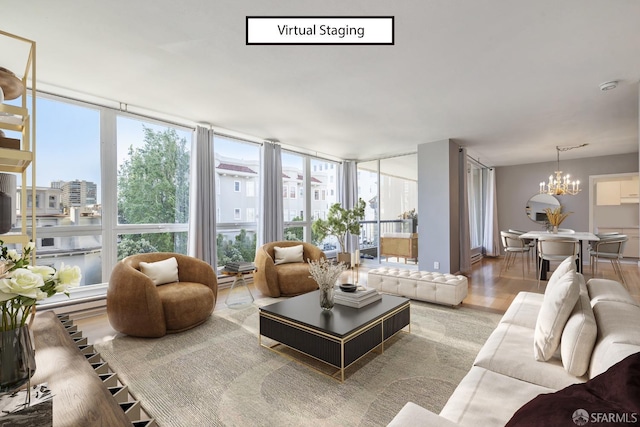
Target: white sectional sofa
448 289
602 329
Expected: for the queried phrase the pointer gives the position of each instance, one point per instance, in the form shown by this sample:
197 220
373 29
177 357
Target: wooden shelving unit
21 118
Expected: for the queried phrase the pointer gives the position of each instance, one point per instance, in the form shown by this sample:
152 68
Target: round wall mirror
537 204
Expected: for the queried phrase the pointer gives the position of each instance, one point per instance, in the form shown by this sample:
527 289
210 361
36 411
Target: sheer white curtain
348 193
465 240
491 242
271 209
202 200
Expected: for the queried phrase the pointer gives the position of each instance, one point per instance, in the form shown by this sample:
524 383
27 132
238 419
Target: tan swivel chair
137 307
553 248
290 279
513 245
608 247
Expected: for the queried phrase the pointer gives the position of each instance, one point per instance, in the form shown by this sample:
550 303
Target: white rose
12 254
23 282
30 246
69 276
5 296
41 295
43 270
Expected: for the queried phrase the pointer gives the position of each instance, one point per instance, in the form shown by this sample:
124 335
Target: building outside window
236 186
237 161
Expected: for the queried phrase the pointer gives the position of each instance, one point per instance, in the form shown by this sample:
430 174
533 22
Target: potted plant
340 223
411 217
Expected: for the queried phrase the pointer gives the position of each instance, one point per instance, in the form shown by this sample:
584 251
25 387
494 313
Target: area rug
218 375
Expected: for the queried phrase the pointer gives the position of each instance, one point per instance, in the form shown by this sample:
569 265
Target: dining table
582 236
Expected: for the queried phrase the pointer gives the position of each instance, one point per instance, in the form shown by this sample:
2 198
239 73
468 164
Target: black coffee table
338 337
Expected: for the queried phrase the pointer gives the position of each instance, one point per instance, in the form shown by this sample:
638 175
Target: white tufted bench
440 288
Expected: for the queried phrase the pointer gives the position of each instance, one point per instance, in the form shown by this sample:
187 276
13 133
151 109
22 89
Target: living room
507 83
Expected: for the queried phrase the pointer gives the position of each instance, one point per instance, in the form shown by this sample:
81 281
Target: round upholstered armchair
289 275
150 295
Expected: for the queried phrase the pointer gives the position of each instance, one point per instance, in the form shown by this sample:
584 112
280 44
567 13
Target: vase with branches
555 217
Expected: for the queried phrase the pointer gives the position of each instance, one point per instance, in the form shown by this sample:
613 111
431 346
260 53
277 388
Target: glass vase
326 297
17 358
555 229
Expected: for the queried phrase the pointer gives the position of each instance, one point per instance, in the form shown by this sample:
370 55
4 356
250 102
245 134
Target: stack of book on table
239 266
357 299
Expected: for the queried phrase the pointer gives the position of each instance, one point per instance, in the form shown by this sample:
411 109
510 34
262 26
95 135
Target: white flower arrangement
22 285
324 272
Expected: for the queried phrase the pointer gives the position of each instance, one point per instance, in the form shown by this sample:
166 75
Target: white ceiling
509 79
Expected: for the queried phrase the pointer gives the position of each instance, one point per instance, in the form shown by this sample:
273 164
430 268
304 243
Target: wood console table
401 245
81 398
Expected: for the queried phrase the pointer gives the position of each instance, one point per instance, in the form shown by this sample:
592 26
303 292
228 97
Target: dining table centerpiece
21 287
555 217
325 273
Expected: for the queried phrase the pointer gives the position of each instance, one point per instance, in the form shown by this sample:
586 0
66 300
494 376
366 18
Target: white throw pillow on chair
161 272
285 255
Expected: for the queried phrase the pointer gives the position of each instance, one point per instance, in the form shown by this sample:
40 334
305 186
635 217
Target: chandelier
561 185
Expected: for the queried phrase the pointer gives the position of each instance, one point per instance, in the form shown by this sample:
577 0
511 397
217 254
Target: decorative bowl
348 287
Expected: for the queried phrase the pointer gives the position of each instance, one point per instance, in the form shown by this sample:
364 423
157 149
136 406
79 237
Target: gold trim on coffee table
329 338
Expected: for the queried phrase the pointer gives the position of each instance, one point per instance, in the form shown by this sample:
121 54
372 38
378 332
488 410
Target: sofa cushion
294 279
618 334
613 393
524 310
416 416
161 272
507 351
608 290
579 337
285 255
559 300
185 304
475 401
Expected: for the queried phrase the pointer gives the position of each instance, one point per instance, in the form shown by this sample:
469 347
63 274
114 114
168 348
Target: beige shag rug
218 375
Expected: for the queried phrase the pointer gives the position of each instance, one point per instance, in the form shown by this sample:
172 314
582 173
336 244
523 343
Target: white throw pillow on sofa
569 264
161 272
288 254
579 337
559 300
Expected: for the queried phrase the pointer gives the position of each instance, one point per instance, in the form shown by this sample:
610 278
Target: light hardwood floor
488 290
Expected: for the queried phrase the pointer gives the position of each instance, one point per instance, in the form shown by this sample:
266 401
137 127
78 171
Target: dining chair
513 245
554 248
608 247
530 242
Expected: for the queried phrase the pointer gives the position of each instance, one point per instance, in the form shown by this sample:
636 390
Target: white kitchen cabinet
629 190
608 193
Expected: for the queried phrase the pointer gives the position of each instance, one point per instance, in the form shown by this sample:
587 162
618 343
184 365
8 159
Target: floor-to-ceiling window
152 187
399 194
108 185
68 188
237 179
309 188
368 191
390 188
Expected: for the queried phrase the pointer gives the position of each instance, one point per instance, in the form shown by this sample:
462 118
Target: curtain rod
477 161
